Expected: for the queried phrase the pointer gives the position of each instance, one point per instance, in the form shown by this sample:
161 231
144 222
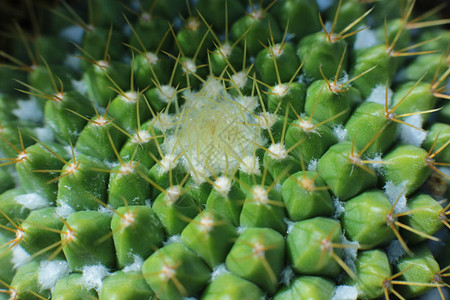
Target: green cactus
225 150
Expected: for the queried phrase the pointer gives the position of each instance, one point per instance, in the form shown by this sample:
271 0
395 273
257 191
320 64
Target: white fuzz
239 79
31 201
173 193
189 66
72 33
276 50
260 195
64 210
280 90
287 275
136 266
241 229
167 93
141 137
218 271
290 225
168 163
128 168
411 135
130 97
50 271
19 257
377 166
164 122
338 208
378 95
312 166
198 173
173 239
206 222
105 210
100 121
266 120
365 39
258 250
395 251
93 276
44 134
248 102
212 88
345 292
222 185
250 165
340 132
152 58
225 50
393 192
28 110
79 85
350 253
277 151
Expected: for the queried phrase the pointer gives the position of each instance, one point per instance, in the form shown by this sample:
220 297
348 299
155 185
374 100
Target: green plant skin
307 287
320 52
141 237
127 286
371 117
372 269
230 286
39 228
295 97
364 219
439 132
419 99
210 236
304 246
190 272
406 163
25 282
6 271
422 267
92 243
262 268
302 203
229 206
71 288
11 208
285 60
344 178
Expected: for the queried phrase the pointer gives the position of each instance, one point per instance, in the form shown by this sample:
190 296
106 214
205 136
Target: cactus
226 150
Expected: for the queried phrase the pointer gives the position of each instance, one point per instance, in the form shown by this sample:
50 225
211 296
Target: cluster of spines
257 192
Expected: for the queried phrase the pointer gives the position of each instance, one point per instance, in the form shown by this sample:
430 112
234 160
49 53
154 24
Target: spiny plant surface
226 150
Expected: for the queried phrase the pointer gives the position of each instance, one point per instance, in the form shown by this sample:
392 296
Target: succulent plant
226 150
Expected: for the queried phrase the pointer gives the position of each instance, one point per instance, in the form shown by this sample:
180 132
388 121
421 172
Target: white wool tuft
51 271
277 151
19 257
136 266
31 201
411 135
393 191
378 95
241 229
340 132
345 292
93 276
312 166
28 110
173 239
222 185
338 208
290 225
44 134
218 271
73 33
377 166
395 251
365 39
250 165
287 275
106 210
350 253
324 4
64 209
